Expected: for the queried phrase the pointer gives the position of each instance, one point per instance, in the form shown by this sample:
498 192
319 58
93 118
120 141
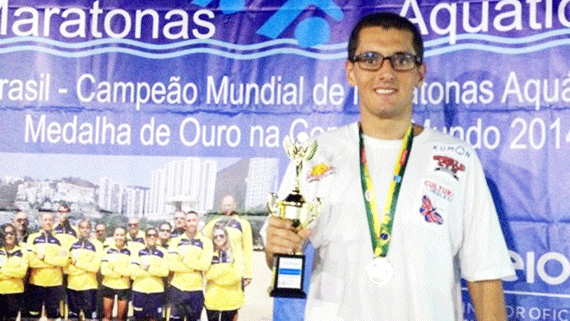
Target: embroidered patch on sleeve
320 171
448 165
439 190
429 212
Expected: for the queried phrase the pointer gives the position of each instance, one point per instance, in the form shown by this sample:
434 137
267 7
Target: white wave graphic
437 47
497 49
176 54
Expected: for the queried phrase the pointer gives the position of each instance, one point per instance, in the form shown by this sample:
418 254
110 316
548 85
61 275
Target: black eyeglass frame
417 61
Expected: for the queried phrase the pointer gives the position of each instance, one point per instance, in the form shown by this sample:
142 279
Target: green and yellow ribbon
381 232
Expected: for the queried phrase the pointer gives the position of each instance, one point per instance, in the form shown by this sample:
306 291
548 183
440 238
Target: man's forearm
488 299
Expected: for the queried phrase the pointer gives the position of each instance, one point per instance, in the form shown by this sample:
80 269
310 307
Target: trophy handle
315 211
272 203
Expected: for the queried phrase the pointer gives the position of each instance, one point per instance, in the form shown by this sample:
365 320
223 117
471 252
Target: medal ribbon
380 232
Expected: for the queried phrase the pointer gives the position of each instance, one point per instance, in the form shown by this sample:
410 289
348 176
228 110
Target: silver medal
380 271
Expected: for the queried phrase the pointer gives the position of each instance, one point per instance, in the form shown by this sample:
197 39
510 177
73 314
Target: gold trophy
288 269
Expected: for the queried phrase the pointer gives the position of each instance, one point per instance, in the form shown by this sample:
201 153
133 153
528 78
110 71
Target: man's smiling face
385 93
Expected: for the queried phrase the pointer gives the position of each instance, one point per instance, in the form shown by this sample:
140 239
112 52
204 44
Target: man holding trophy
404 212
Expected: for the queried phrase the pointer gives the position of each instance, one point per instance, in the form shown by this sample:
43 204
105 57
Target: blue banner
142 96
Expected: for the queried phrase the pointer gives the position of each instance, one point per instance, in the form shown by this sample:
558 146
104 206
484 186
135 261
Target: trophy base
288 276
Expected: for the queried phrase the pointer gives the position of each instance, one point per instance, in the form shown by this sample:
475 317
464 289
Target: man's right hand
283 238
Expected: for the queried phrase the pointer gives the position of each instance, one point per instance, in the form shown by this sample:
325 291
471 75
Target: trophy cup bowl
294 208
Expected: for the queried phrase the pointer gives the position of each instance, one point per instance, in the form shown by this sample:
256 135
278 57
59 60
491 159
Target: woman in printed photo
116 276
149 267
224 292
13 267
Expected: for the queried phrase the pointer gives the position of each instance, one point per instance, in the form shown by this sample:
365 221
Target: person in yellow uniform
68 234
148 268
190 256
179 219
224 293
101 232
101 236
239 231
164 234
116 276
21 223
13 267
135 237
48 257
85 260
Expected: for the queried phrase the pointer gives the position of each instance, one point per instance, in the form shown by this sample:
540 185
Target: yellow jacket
240 235
13 268
189 259
85 260
48 271
149 280
115 268
67 234
224 287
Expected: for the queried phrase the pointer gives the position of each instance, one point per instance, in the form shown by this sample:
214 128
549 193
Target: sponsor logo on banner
552 268
448 165
309 31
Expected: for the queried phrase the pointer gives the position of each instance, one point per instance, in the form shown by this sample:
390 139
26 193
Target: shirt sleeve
483 254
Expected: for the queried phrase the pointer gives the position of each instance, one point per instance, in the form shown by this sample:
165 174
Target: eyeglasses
400 61
164 230
21 220
152 235
100 231
133 224
219 236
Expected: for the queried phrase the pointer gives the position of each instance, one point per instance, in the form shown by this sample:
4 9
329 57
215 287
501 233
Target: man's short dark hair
386 20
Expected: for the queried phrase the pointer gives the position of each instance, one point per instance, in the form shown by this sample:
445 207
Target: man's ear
349 70
422 70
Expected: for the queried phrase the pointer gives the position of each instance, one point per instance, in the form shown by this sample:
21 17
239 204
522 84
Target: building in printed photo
117 198
250 181
187 184
261 180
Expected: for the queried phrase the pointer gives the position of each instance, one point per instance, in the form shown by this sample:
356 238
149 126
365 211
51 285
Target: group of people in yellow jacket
195 269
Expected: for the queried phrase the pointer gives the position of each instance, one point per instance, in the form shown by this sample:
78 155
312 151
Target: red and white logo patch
448 165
